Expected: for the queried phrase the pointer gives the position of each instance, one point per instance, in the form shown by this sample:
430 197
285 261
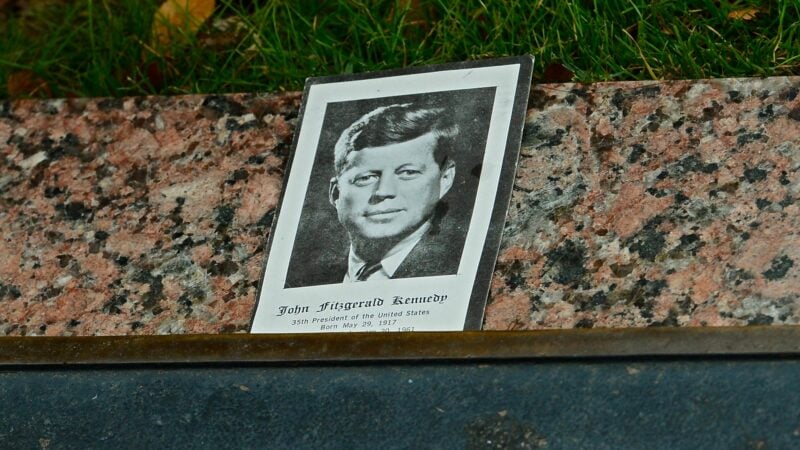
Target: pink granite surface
654 204
635 204
137 216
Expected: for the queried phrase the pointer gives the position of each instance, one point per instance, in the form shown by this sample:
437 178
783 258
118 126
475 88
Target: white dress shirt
390 261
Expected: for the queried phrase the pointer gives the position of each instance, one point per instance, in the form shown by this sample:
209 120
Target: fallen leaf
416 14
557 73
154 75
26 83
178 19
743 14
224 33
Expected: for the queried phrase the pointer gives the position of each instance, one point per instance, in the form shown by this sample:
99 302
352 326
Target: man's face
389 191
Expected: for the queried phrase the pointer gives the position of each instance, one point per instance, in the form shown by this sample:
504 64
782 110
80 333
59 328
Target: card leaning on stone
394 199
635 204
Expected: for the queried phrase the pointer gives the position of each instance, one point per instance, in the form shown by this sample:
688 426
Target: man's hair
395 124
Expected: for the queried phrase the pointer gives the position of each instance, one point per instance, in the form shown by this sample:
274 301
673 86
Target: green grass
101 47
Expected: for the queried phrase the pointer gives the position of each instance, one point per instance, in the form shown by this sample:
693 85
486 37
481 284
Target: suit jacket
438 252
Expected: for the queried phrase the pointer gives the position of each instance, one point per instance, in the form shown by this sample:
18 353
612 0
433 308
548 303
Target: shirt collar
392 259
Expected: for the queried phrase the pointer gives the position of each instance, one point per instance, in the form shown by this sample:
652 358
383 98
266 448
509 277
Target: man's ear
447 177
333 191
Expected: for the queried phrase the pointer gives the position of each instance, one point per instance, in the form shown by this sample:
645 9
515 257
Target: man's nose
386 187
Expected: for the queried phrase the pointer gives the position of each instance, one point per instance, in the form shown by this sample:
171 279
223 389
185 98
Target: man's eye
365 179
408 174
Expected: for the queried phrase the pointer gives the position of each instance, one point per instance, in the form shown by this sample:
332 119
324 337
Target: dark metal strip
751 340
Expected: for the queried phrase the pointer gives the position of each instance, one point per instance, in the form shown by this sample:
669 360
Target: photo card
395 199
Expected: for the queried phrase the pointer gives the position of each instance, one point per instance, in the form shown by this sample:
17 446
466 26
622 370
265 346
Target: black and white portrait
394 201
392 189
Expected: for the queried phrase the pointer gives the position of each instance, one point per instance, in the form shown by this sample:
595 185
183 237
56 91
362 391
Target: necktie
367 270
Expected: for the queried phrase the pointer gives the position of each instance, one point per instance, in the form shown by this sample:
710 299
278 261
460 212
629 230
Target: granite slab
636 204
139 215
654 204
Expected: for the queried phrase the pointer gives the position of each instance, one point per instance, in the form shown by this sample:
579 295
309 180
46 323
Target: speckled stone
654 204
635 204
137 216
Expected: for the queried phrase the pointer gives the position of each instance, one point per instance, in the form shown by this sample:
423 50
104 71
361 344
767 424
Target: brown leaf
154 75
743 14
557 73
223 33
417 14
26 83
176 19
